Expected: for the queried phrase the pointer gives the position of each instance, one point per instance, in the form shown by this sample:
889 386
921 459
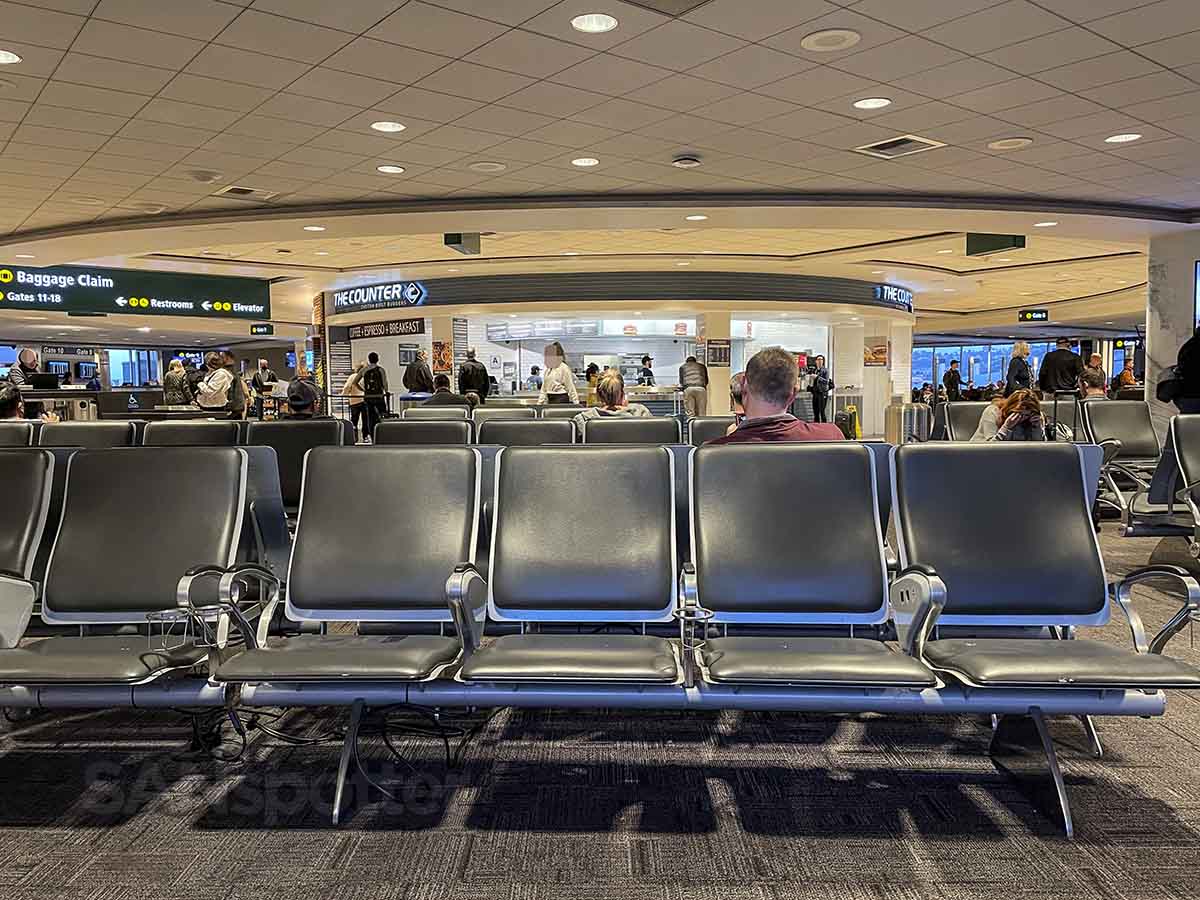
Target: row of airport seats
962 416
767 615
526 431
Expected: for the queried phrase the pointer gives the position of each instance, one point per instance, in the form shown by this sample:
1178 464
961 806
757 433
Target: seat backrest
292 439
646 430
486 414
134 521
526 432
1066 412
1185 435
1008 527
436 412
1128 421
89 435
16 433
561 410
756 563
191 434
380 531
962 418
599 548
423 431
26 478
706 428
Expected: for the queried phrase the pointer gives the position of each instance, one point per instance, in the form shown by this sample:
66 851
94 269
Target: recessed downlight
144 330
1123 138
25 256
314 227
8 58
594 23
686 161
487 167
452 270
830 40
945 251
872 103
86 201
390 170
696 217
388 127
321 253
877 272
947 290
585 162
683 263
1044 224
570 253
1013 143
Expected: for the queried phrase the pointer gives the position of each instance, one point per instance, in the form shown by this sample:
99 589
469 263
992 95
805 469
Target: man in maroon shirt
770 390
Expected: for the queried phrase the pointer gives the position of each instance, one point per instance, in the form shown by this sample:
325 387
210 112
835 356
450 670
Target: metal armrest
918 596
17 599
689 612
1122 595
466 596
229 592
271 534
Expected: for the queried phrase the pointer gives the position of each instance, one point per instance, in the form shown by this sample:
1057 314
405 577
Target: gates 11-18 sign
87 289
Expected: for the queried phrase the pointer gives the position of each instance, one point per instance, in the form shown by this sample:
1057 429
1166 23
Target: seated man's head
441 382
770 383
11 406
737 392
610 389
1093 381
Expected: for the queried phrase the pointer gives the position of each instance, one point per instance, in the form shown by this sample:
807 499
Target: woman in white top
558 384
353 391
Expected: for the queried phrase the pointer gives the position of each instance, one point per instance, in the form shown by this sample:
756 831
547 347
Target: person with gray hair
1020 374
25 366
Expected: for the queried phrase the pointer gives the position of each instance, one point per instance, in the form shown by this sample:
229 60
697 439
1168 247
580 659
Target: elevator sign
85 289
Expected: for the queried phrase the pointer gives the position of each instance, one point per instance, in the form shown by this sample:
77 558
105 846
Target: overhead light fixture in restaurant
1014 143
696 217
390 170
830 40
25 256
594 23
144 330
872 103
388 127
1122 138
8 58
1044 224
314 227
585 162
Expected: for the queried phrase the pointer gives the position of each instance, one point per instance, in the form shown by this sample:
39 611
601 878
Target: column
1170 310
712 325
441 359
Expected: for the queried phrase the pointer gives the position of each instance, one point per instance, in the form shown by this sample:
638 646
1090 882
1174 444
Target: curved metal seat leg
349 755
1056 773
1093 735
1014 739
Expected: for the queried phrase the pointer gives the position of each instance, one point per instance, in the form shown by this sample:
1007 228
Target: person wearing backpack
213 391
374 383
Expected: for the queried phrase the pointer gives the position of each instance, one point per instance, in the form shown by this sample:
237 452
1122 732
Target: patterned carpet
584 806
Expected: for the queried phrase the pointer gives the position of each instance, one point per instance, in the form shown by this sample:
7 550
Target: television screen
291 359
58 367
85 370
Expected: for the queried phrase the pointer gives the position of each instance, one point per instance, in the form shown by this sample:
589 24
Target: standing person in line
646 374
559 384
263 376
693 378
820 389
1096 363
375 390
1187 371
418 379
952 381
239 394
176 390
352 390
771 377
1061 370
1020 373
473 376
25 366
214 389
534 381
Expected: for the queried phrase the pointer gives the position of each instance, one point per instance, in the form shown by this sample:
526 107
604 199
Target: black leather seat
423 431
393 571
483 414
1127 421
1068 416
962 418
561 410
651 430
16 433
89 435
526 432
752 568
437 412
26 482
291 440
627 492
191 434
705 428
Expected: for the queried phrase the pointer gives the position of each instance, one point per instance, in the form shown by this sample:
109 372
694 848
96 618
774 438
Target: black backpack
372 381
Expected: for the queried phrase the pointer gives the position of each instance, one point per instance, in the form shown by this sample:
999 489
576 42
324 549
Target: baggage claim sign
82 289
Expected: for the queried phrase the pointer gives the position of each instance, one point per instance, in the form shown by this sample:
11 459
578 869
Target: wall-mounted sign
443 358
548 328
875 351
80 289
719 352
895 296
262 328
681 329
392 328
380 296
629 330
1033 315
1125 345
83 352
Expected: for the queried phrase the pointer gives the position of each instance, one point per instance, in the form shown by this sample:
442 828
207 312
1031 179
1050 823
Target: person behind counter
610 401
176 390
25 366
534 381
418 379
559 384
646 374
12 405
770 390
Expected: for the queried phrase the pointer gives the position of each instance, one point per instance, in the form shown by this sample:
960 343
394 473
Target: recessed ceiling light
872 103
1108 323
585 162
1014 143
570 253
948 290
696 218
945 251
512 315
683 263
877 271
390 170
487 167
322 253
86 201
452 270
388 127
1004 259
830 40
1122 138
1044 224
8 58
144 330
594 23
25 256
314 227
686 161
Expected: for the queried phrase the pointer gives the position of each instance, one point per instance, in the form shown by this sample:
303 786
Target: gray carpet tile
610 805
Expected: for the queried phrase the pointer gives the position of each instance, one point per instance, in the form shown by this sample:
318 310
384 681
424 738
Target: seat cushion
312 657
573 657
811 660
116 659
1179 516
1033 662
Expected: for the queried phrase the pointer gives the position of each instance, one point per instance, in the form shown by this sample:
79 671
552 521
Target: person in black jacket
417 377
952 381
1187 370
1020 373
1061 370
473 376
442 395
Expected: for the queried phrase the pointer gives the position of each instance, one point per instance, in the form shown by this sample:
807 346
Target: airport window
133 368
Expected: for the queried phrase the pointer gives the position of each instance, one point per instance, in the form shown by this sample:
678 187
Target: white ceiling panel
1139 90
556 22
191 115
610 75
39 26
528 53
506 12
997 26
284 37
743 109
552 99
356 16
378 59
429 105
623 114
1006 95
749 67
815 84
200 19
905 56
874 33
955 78
759 20
1174 52
499 120
1098 71
464 79
215 92
682 93
1153 22
75 119
1052 51
919 15
232 64
435 29
678 45
92 99
116 75
342 87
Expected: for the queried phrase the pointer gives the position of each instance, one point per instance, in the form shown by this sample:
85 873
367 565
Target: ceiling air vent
238 192
905 145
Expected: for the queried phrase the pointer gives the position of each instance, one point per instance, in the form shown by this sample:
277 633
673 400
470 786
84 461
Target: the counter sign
380 296
896 296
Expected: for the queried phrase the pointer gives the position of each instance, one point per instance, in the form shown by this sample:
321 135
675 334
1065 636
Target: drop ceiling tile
45 27
638 146
55 137
126 145
922 119
677 45
1052 51
67 156
523 151
686 128
815 85
751 67
996 26
37 62
232 64
1164 108
1101 70
576 135
744 109
1174 52
501 120
360 123
528 54
1053 110
622 114
97 71
804 123
553 99
283 37
436 30
468 140
377 59
919 15
874 34
893 61
262 148
201 19
1138 90
1091 131
741 141
125 181
682 93
759 20
357 16
354 142
189 115
610 75
507 12
464 79
429 105
215 92
90 99
189 136
314 156
980 129
1006 95
342 87
76 119
955 78
1154 22
425 154
296 171
256 125
556 22
850 136
1089 10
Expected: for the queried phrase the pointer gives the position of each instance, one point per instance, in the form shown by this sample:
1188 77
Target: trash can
904 423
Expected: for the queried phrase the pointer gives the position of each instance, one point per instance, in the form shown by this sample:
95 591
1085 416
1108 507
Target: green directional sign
88 289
